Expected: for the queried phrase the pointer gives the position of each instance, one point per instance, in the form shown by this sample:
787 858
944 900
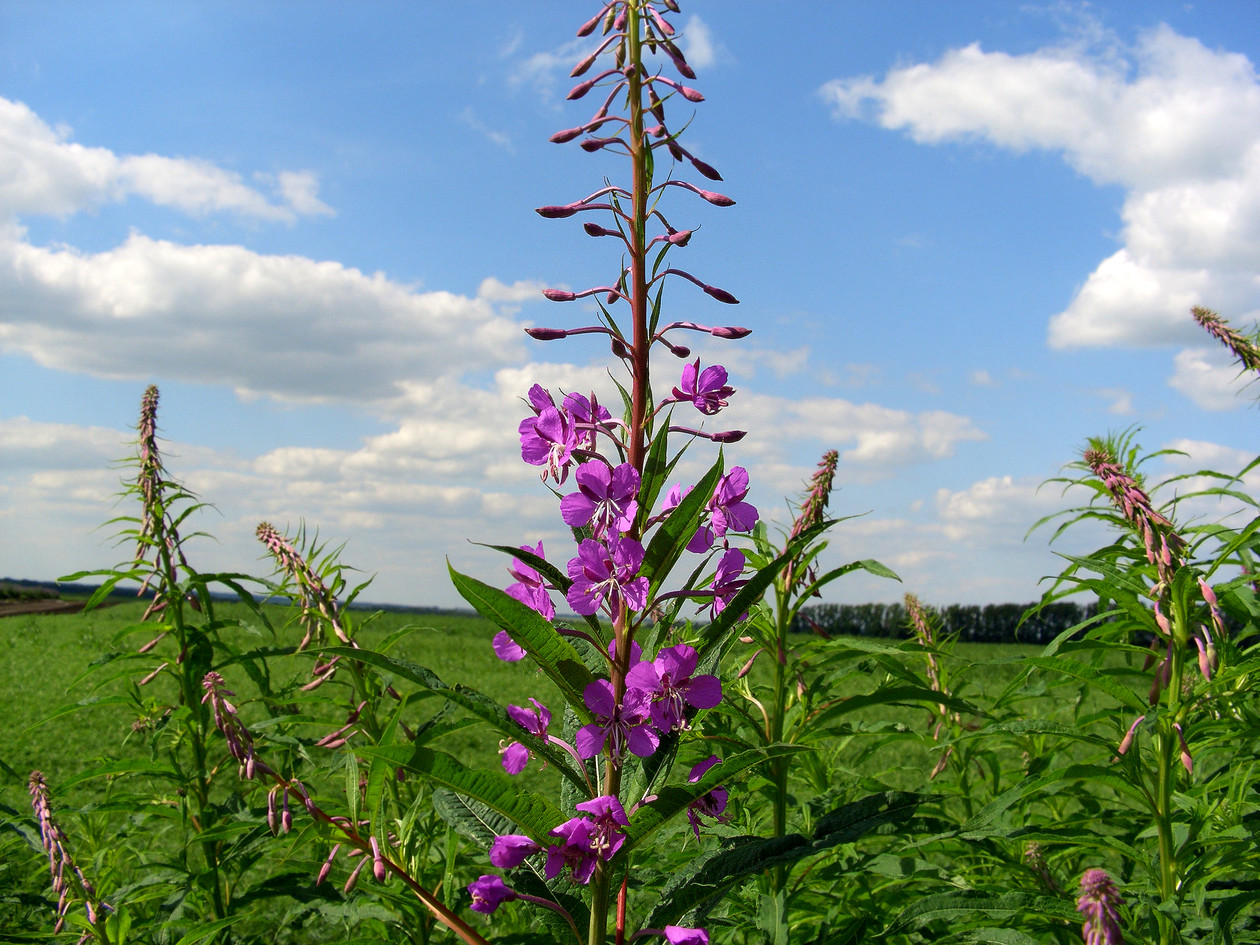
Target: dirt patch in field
19 607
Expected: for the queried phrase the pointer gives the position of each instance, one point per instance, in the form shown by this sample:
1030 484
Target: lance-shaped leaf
475 702
673 800
481 825
894 695
706 878
970 902
554 655
671 537
533 813
559 580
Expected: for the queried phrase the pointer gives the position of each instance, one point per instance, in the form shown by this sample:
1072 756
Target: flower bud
557 213
679 237
568 134
378 862
581 89
327 867
587 28
585 64
660 22
721 295
706 169
546 334
729 436
559 295
354 877
732 333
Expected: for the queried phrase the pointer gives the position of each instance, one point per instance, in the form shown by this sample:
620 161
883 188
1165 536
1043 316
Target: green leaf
475 702
553 654
894 695
706 878
968 902
671 537
202 932
1078 670
533 813
143 766
673 800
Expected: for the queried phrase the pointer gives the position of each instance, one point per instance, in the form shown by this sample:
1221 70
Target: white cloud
43 172
1176 124
697 43
1209 378
867 435
285 326
1121 400
498 138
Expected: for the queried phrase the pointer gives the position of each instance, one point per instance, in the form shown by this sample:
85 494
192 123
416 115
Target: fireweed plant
713 779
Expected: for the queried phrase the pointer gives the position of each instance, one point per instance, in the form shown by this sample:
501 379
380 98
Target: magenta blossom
625 725
712 804
488 893
726 580
727 511
530 589
607 573
588 416
605 498
706 389
610 817
679 935
668 679
1098 901
575 852
507 649
511 850
535 721
549 440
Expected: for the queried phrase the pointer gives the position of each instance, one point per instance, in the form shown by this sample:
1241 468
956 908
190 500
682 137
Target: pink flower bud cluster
1244 349
60 864
1164 546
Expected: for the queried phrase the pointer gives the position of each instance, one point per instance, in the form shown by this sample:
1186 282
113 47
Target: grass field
46 662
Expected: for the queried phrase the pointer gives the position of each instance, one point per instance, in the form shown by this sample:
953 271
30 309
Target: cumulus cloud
1174 123
868 435
1209 378
43 172
285 326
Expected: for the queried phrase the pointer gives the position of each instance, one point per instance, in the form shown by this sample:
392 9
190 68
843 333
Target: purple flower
507 649
712 804
605 498
1097 903
606 832
678 935
705 389
608 572
587 415
575 852
626 724
728 509
488 892
549 440
668 679
530 589
535 721
512 850
726 581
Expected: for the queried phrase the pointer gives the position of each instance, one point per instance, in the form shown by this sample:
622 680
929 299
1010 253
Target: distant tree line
973 623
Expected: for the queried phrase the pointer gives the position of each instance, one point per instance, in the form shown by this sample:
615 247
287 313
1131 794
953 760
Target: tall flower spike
1240 346
60 864
1098 901
1163 545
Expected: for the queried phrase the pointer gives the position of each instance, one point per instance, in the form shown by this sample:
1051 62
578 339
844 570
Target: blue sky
966 237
